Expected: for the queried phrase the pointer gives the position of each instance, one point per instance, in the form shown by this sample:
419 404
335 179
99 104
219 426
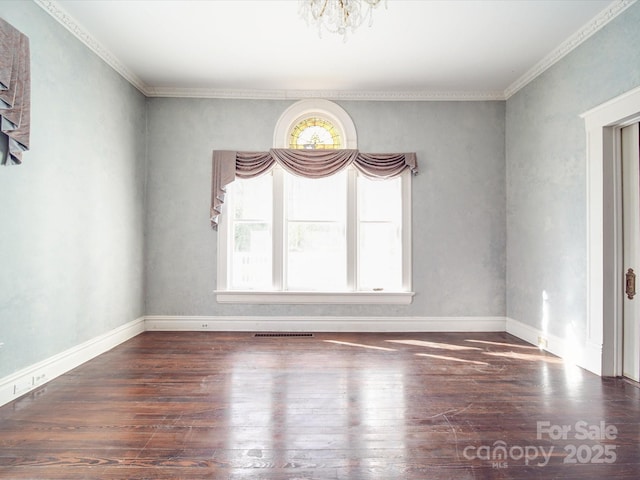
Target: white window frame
344 124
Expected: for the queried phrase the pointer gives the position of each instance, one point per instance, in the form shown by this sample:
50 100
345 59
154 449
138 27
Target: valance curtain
15 91
227 165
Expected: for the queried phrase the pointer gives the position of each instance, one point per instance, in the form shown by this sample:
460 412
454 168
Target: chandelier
338 16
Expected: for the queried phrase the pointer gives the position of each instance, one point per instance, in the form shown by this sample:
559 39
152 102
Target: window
314 133
338 239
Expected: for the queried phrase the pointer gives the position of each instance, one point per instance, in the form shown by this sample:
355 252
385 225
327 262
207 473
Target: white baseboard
32 377
587 356
532 335
325 324
592 358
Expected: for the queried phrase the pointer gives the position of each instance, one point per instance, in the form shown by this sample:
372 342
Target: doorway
629 340
600 352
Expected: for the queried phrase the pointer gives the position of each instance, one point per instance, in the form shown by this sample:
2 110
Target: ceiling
415 49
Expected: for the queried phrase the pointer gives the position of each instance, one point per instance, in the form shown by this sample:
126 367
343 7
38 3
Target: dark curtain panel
15 91
306 163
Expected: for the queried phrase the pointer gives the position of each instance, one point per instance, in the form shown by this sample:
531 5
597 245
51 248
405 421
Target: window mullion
278 250
352 226
225 246
405 227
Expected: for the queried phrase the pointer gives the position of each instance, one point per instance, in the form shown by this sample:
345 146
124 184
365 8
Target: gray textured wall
546 176
71 217
458 201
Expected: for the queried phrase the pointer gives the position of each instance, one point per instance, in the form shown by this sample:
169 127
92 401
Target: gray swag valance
227 165
15 91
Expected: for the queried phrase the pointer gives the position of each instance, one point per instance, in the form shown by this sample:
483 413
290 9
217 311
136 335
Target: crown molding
593 26
57 12
613 10
392 96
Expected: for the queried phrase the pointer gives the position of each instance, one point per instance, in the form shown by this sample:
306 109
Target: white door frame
628 343
604 271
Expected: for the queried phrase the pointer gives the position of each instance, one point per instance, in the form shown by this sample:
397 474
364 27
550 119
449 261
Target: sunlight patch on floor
443 357
526 356
442 346
502 344
349 344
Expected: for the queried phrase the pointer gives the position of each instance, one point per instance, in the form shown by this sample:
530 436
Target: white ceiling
262 48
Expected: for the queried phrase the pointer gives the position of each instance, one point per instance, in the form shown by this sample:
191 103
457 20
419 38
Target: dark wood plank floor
387 406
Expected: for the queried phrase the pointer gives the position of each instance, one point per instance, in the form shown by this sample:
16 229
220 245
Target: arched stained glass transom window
315 133
315 123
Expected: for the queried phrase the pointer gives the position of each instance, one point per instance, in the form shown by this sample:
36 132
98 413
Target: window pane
249 198
321 199
380 199
380 234
251 257
380 257
316 232
316 256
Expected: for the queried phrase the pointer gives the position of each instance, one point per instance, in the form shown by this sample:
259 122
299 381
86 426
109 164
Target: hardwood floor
387 406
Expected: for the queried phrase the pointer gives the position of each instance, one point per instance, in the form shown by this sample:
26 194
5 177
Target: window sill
251 297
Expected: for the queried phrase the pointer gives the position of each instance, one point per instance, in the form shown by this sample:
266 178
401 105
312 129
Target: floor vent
283 334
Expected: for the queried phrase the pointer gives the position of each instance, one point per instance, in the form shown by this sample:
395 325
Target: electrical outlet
22 386
542 342
205 325
39 379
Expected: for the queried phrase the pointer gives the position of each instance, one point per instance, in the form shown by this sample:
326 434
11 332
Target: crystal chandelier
338 16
